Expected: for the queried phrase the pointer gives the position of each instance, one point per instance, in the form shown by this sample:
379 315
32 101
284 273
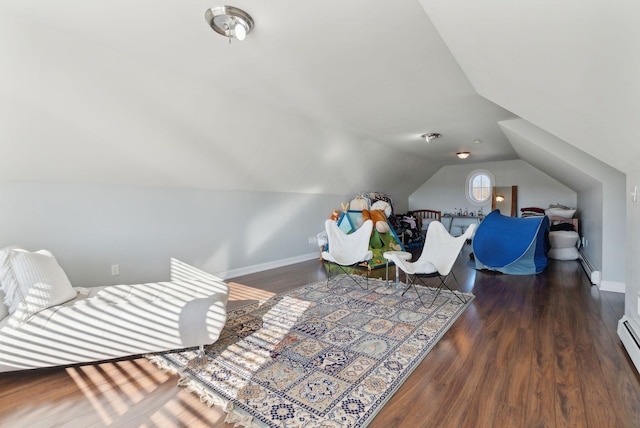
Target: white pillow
33 282
383 206
4 309
560 212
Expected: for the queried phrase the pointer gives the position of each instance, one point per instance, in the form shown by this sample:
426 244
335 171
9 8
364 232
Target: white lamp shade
240 31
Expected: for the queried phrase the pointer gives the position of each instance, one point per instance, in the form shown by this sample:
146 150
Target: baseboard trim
614 286
594 275
627 332
266 266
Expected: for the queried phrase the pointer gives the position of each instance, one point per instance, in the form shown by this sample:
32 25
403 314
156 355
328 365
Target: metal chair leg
443 284
411 283
346 272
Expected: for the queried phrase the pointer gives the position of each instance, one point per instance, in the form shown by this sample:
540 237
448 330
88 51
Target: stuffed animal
379 220
335 215
380 236
359 203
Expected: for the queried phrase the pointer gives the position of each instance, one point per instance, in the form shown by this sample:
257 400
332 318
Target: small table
400 254
477 218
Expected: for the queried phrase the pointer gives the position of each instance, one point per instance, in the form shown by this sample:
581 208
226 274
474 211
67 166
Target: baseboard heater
592 272
627 332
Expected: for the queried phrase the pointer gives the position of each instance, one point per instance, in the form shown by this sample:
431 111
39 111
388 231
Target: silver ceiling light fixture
229 21
463 155
431 136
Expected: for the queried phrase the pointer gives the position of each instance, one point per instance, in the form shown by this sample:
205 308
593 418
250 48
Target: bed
102 323
413 226
425 217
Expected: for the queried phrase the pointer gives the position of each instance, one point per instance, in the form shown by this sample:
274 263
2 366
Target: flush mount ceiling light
430 137
229 21
499 198
463 155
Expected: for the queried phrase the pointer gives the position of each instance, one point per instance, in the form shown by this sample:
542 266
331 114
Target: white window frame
469 189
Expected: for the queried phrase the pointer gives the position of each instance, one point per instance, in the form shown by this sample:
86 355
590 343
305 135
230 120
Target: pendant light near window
463 155
229 21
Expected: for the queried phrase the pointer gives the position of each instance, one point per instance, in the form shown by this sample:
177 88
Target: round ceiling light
229 21
463 155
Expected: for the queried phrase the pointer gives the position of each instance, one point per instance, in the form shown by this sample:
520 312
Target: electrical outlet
115 270
313 240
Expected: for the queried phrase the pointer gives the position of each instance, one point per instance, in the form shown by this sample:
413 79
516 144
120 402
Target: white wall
445 190
601 189
91 227
632 292
591 202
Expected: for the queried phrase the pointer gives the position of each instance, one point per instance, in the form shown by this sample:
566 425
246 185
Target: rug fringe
239 420
206 396
161 363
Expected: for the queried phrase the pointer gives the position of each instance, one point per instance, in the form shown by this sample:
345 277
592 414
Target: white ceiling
571 68
322 97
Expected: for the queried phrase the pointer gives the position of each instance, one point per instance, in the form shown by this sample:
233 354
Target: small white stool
401 254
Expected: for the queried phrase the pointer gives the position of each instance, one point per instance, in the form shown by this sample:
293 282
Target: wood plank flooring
530 351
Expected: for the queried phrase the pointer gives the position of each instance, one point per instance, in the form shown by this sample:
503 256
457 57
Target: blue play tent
512 245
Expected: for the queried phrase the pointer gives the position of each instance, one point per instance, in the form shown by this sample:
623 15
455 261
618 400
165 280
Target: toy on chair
378 214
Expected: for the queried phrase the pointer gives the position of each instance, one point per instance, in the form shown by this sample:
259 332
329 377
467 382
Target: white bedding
115 321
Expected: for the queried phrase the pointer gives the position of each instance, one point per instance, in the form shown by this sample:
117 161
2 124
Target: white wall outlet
115 270
313 240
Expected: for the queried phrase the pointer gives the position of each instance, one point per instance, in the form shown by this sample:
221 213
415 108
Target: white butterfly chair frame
440 252
347 250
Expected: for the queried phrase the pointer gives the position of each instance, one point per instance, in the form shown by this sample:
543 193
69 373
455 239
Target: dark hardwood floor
530 351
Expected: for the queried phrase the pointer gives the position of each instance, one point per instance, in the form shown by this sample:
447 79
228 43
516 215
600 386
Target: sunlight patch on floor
82 380
245 292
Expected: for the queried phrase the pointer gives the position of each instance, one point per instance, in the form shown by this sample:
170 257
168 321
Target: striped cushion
4 309
32 282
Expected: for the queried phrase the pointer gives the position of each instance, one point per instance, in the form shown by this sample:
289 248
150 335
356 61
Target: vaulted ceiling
322 97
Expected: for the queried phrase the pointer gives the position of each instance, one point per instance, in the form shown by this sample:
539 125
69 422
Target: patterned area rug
316 356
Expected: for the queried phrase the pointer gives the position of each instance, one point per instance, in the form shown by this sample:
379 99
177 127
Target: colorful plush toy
359 203
379 219
380 236
383 238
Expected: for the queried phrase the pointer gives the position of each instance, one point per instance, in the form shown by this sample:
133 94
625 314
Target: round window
479 185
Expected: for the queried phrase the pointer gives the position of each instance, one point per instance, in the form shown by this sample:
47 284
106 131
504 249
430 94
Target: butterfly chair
439 253
347 250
